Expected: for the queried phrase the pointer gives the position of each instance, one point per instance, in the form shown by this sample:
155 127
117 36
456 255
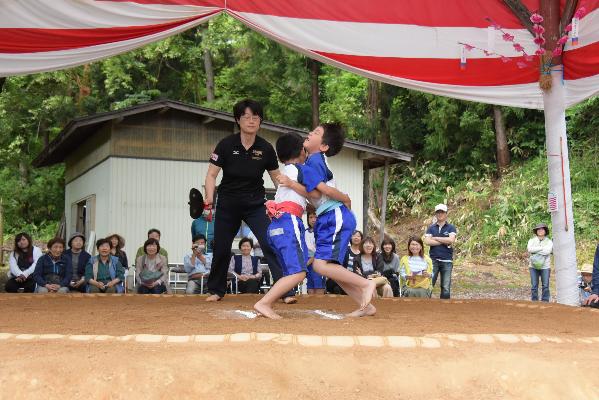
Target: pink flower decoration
568 28
518 47
507 37
540 40
505 59
521 64
529 58
557 51
540 52
563 40
538 29
468 47
487 53
536 18
581 12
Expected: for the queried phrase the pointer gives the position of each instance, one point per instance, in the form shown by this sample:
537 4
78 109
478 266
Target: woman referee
243 158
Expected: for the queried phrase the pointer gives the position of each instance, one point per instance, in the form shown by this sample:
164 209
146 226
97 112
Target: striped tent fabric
409 43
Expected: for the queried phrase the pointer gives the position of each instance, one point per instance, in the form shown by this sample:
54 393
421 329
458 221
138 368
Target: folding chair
177 278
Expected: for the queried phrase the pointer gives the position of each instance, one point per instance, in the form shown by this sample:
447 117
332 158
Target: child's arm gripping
334 194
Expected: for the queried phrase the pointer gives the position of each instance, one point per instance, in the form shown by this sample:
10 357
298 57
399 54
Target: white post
564 245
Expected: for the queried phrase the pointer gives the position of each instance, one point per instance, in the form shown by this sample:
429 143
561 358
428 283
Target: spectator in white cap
440 236
584 282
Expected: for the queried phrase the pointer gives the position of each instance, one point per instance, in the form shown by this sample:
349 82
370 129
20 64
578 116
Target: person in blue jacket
53 271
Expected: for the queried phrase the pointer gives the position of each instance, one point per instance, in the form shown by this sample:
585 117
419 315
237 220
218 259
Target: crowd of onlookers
68 267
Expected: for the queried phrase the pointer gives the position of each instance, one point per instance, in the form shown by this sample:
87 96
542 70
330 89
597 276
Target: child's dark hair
310 210
246 240
253 105
334 137
289 146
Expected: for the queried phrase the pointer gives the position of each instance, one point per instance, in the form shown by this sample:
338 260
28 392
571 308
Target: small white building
130 170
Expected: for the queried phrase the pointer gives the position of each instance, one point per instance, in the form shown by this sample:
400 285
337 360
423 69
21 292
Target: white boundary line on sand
429 342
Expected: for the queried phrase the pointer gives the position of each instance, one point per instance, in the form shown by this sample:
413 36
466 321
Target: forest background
486 162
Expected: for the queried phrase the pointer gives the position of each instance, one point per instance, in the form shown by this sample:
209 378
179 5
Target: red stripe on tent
581 62
200 3
34 40
478 72
446 13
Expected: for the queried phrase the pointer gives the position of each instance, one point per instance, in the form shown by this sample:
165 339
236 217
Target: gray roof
79 129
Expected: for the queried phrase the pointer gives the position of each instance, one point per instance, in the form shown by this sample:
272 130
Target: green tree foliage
453 141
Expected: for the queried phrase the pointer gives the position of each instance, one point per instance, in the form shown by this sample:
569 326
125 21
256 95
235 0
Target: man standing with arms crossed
440 236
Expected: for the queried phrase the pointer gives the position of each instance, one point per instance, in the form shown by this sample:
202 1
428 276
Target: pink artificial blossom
521 64
505 59
540 52
487 53
536 18
581 12
538 29
568 28
563 40
507 37
539 40
557 51
468 47
518 47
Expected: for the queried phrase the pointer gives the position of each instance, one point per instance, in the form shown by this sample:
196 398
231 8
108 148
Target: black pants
12 286
228 216
249 286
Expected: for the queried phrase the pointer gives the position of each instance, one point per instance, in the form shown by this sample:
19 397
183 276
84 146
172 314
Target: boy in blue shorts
335 222
286 232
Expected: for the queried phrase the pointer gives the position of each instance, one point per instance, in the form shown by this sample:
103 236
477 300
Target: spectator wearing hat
539 249
441 236
104 272
584 282
53 271
593 299
79 258
22 261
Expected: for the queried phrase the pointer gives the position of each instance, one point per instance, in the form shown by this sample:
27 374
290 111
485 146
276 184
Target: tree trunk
503 151
384 115
314 74
209 69
373 105
2 81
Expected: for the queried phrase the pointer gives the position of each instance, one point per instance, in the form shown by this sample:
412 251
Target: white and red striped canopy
409 43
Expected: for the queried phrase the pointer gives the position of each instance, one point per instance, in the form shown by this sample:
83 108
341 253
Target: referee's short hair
289 146
334 137
253 105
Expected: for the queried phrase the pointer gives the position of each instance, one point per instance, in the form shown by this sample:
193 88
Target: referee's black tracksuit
240 198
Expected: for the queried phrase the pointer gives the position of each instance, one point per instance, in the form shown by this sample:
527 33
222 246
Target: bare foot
290 300
213 298
368 311
368 294
266 311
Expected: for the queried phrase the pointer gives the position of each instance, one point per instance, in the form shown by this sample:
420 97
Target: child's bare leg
282 286
358 288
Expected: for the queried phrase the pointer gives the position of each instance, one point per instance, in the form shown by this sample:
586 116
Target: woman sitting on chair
246 267
151 269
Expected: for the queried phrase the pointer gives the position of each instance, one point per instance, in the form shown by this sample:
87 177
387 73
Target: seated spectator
21 263
416 270
539 249
390 265
247 268
197 265
593 299
348 262
367 265
117 243
584 282
151 269
153 234
53 271
79 259
104 272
